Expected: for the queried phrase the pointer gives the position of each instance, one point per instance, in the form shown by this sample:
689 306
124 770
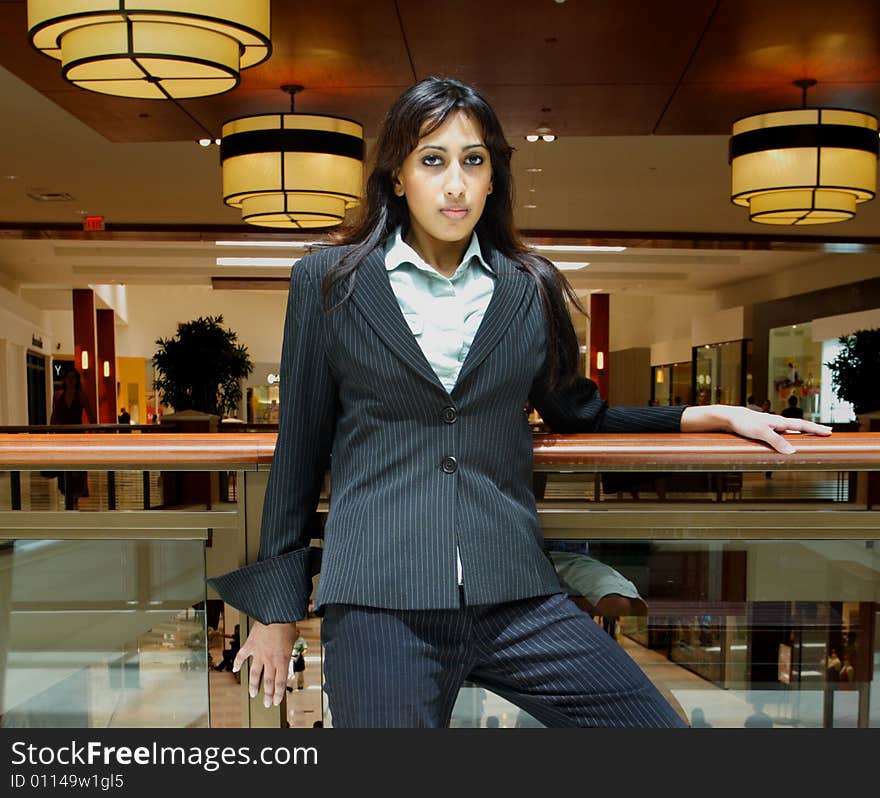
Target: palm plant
855 372
201 367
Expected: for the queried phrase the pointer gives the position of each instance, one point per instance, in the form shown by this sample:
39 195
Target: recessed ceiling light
530 206
534 169
205 142
532 137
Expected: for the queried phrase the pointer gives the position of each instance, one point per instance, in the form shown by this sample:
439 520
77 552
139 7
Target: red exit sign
93 224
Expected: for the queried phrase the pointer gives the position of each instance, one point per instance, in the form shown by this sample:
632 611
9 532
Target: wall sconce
660 377
600 361
84 360
106 368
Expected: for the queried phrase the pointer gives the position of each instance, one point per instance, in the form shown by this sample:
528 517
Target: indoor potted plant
855 372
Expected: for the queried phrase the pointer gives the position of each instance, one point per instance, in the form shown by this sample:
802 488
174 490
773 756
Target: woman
410 353
68 407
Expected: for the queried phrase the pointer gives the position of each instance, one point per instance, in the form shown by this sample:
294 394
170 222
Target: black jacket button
449 465
450 414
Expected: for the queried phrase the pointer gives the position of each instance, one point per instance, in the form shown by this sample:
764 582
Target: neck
444 256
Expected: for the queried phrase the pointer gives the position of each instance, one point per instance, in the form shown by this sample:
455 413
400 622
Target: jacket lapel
510 287
375 300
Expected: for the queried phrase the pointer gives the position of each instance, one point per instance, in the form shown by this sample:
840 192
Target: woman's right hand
270 645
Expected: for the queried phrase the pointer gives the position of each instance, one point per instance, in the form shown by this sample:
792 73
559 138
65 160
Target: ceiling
642 95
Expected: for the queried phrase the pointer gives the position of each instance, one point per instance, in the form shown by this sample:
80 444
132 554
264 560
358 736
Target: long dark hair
77 377
418 112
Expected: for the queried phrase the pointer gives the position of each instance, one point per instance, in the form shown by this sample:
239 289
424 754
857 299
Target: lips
454 213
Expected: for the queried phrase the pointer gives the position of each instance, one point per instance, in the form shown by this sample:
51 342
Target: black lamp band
327 142
787 137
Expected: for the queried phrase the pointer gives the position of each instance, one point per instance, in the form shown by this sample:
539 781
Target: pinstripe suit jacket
415 470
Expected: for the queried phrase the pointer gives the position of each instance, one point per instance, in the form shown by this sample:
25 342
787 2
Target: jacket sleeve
579 408
276 588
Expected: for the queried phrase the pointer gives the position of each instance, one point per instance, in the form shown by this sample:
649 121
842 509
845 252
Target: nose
454 180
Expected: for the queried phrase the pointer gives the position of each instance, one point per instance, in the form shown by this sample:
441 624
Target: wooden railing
588 453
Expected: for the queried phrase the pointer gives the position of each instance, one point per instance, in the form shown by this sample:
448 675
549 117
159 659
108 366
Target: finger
268 684
254 677
799 425
778 442
240 657
280 685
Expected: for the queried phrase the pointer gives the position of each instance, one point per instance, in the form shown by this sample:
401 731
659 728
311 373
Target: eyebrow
443 149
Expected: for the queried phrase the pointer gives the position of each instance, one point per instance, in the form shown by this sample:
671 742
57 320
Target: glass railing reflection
102 633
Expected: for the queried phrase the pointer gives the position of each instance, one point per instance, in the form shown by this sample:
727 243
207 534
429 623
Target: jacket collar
375 300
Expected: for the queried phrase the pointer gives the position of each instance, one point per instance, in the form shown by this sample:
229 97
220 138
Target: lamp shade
292 170
803 166
152 49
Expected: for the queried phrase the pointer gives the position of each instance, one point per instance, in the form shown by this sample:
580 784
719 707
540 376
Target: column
84 347
106 366
599 337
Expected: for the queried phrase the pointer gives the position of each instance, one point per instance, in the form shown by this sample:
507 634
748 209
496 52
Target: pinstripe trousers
403 668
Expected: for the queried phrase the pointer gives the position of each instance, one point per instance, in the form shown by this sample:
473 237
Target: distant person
758 719
833 666
229 653
68 407
792 411
698 719
124 417
752 405
597 588
297 668
765 406
492 722
676 401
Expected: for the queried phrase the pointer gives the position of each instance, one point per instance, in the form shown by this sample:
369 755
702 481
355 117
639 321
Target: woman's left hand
749 424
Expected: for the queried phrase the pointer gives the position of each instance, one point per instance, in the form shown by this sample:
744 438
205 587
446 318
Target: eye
432 160
474 159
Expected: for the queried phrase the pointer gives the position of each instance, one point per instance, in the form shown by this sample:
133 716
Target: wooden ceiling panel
579 110
500 42
17 55
333 44
710 109
753 42
366 105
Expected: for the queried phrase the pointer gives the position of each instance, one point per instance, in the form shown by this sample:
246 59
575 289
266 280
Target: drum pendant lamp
292 170
152 49
805 165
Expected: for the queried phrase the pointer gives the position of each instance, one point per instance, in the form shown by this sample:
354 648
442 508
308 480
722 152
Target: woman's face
446 180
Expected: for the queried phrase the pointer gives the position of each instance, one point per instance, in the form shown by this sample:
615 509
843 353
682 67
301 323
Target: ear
396 184
490 189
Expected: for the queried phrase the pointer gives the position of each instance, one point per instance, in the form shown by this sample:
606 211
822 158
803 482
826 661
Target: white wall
631 321
826 271
20 323
61 324
719 326
833 327
155 311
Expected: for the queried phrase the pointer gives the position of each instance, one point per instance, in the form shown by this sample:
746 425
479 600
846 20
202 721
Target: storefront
671 384
722 373
798 367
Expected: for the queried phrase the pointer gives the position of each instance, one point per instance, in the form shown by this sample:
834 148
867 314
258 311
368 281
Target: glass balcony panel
103 633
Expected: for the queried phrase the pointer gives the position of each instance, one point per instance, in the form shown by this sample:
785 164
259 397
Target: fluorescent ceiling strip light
575 248
277 263
288 244
570 266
